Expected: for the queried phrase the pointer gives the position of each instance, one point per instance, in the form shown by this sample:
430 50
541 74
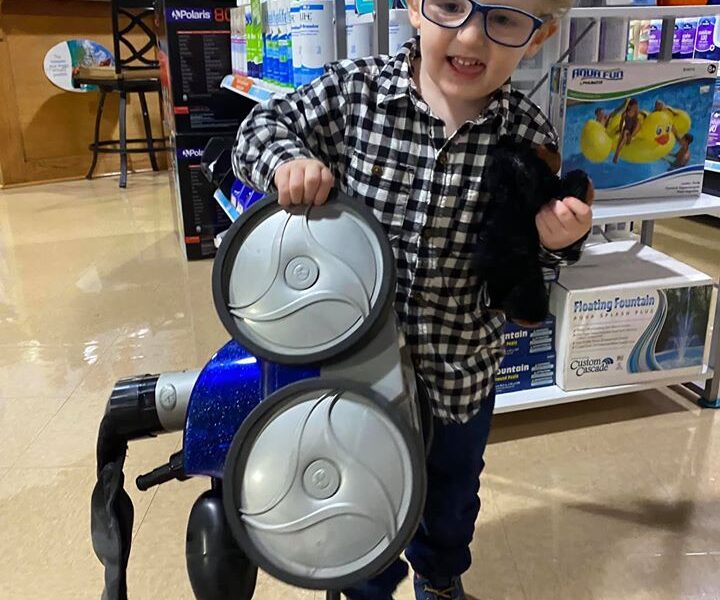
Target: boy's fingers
561 212
297 184
577 207
312 183
326 183
282 183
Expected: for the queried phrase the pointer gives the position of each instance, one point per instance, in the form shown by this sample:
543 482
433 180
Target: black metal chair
136 70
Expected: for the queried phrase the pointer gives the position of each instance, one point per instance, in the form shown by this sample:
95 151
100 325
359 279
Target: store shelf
644 12
252 88
551 395
643 209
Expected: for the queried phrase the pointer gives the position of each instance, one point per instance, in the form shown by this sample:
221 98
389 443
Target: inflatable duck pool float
656 136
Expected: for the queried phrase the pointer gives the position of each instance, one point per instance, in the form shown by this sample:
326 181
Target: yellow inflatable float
655 139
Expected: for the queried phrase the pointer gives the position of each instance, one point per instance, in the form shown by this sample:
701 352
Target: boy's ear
414 12
542 35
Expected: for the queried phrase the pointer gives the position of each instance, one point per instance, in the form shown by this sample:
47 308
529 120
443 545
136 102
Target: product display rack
647 211
643 12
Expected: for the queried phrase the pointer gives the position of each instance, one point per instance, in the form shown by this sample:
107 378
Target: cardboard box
194 53
524 342
627 313
199 217
530 373
638 129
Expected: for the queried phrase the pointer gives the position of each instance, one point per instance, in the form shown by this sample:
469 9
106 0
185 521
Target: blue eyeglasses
504 25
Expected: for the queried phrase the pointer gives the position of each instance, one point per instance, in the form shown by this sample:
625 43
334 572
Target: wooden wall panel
45 131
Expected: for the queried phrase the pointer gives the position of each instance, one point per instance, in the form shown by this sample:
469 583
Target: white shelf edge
613 211
712 165
644 12
263 91
552 395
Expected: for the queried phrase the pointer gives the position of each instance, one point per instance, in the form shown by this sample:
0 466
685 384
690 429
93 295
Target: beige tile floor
608 499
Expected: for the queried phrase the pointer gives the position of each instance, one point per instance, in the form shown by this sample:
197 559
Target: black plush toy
520 180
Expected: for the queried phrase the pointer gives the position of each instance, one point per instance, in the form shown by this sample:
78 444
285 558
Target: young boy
409 136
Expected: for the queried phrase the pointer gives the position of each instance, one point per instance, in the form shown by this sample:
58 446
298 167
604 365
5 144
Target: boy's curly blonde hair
557 8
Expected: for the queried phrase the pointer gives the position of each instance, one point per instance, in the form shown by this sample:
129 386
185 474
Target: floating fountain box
627 313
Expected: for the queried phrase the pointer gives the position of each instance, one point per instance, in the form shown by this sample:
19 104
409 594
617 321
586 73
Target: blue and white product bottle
654 39
283 43
318 37
289 50
359 35
297 42
271 42
687 38
705 47
400 28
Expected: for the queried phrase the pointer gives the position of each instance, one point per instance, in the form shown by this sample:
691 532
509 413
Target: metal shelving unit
548 396
642 12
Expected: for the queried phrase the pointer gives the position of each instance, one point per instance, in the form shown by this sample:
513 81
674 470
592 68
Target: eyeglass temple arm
563 56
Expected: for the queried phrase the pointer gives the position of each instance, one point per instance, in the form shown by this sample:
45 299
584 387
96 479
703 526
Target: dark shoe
448 590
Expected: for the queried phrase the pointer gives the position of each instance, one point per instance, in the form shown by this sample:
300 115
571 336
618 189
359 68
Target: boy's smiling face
463 64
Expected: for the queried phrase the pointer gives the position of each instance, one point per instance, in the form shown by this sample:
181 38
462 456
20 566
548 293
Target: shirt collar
395 82
395 78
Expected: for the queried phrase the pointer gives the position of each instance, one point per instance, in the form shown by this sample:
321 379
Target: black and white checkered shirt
366 121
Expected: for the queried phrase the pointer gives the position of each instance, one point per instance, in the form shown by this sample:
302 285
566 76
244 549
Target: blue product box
535 372
522 342
638 129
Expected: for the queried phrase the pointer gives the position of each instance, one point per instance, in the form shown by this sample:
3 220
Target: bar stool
136 70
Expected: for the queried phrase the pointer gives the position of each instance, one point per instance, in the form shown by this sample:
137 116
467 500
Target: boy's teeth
466 62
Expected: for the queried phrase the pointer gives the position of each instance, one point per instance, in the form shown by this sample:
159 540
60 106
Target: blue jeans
440 548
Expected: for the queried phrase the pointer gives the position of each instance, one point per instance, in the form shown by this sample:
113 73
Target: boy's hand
303 181
561 223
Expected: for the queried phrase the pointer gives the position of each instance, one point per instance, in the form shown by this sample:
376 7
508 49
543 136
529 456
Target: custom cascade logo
583 366
190 14
585 73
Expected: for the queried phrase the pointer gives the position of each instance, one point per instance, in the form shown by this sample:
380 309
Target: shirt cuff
563 257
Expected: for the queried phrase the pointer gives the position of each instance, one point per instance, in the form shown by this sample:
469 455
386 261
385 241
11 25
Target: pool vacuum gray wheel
323 485
306 285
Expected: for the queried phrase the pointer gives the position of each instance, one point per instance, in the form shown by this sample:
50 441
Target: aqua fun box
627 313
639 130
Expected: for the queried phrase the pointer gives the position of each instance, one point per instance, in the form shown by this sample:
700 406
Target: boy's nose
473 32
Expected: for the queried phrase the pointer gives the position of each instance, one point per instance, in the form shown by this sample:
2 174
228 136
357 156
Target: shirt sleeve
307 123
529 124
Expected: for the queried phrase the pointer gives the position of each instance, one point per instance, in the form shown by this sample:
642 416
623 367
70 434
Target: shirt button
442 159
377 170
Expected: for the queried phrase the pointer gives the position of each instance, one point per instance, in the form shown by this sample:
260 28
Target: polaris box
199 217
194 54
627 314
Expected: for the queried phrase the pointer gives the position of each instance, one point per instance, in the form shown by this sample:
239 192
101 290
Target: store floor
608 499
